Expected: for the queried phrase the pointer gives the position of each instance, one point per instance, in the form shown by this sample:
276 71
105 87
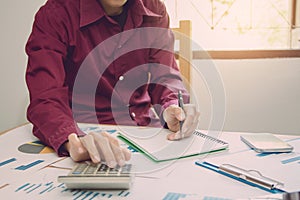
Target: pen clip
252 176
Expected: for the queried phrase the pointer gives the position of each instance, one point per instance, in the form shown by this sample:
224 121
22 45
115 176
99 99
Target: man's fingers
89 143
179 114
115 146
174 136
126 153
111 139
192 126
168 112
189 126
121 154
98 147
118 153
172 115
104 146
192 118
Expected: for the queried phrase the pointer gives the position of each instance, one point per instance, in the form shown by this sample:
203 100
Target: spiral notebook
154 144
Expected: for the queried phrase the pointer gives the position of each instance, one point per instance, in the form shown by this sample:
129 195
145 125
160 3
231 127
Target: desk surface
29 170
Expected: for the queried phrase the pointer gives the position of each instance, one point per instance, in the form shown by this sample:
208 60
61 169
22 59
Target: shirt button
121 78
133 114
120 46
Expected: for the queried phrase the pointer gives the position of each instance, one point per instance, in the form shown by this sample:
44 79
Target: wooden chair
183 33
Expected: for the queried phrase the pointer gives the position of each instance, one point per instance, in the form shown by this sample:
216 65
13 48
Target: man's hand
97 147
174 114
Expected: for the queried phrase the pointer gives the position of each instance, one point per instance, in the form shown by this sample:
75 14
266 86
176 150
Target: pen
250 177
180 104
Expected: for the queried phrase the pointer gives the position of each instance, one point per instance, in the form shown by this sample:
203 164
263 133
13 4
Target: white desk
34 176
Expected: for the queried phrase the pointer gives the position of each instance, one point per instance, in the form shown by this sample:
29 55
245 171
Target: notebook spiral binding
198 133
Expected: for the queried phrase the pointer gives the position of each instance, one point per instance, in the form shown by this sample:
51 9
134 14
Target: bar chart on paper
286 158
49 189
290 160
8 161
25 167
181 196
97 129
177 196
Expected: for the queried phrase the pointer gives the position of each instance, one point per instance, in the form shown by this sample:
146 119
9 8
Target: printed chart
45 190
21 167
181 196
35 147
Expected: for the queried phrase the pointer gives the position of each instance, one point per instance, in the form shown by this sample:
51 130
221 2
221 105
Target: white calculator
88 175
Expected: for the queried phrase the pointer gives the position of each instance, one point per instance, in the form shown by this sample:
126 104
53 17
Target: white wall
261 95
16 18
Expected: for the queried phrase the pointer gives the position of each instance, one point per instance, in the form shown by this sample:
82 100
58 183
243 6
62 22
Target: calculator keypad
91 169
88 175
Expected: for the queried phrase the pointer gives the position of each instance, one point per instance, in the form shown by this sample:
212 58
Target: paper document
22 154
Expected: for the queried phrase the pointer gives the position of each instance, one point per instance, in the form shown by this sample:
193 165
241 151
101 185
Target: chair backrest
183 33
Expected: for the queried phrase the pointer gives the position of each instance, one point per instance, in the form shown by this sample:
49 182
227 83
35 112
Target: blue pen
180 104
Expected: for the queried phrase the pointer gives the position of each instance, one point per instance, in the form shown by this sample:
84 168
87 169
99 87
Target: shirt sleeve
49 110
165 76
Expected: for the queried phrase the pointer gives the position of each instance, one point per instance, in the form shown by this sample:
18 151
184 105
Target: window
240 24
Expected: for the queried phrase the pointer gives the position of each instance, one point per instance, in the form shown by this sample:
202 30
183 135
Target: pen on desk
251 177
180 104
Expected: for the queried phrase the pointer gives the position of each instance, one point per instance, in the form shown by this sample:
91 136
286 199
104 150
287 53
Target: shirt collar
140 9
91 11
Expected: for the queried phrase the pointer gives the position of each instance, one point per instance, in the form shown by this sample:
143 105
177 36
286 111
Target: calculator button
102 169
91 169
114 171
80 168
126 170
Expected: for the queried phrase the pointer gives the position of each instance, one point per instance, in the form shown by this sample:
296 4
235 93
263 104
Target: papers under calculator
154 143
